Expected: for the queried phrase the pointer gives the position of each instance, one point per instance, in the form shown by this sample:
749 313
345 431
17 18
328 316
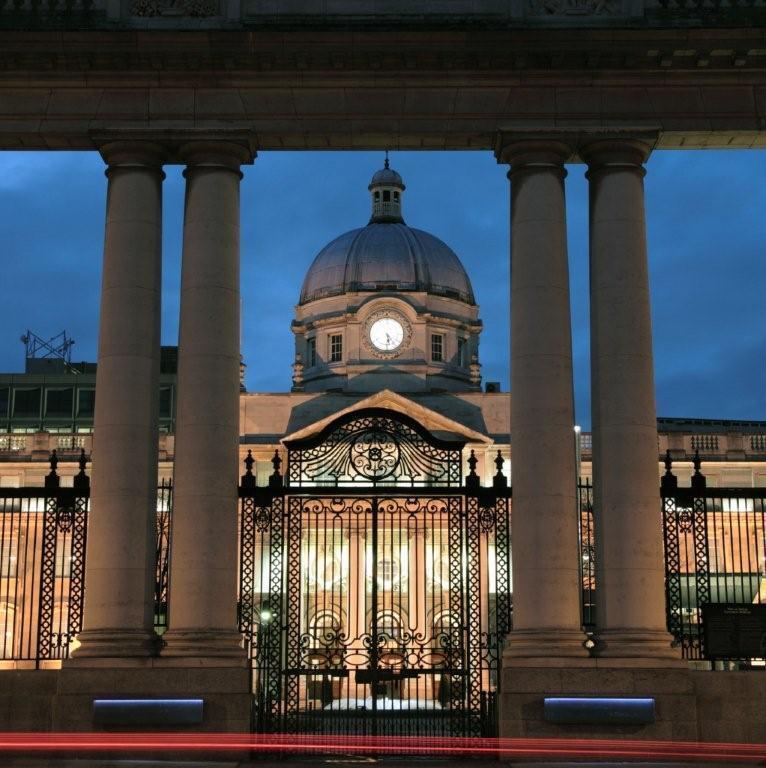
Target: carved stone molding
543 8
175 8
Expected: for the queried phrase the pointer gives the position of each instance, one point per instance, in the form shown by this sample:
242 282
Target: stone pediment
440 426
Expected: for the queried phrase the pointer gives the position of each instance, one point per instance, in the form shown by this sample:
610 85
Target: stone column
630 587
204 556
546 595
119 599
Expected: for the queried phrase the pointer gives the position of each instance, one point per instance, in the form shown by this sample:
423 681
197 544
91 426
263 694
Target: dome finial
385 165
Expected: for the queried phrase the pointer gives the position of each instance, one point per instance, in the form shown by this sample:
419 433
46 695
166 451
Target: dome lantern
386 189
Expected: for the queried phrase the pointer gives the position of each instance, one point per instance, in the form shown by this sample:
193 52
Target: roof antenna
385 165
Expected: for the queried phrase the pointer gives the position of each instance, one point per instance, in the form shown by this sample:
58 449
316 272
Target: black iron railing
714 542
43 532
587 555
715 554
162 577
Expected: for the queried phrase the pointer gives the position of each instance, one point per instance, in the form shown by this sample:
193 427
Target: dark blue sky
707 244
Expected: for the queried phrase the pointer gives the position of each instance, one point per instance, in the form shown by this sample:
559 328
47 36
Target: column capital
530 154
228 155
615 153
133 154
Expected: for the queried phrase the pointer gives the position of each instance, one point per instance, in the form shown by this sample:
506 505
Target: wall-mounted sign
734 631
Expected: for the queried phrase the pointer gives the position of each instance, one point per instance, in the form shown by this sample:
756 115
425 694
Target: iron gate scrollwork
374 446
375 610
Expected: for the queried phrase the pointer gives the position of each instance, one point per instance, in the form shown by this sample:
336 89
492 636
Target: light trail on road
655 751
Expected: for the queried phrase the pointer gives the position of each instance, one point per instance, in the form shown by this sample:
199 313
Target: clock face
386 334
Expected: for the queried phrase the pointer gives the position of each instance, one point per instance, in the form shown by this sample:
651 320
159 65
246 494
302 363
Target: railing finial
472 479
669 482
81 480
52 480
275 479
499 480
248 479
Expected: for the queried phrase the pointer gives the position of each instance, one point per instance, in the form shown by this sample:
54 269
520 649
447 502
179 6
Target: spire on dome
386 190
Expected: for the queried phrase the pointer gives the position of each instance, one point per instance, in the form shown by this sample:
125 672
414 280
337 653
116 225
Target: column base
114 644
221 646
545 648
637 648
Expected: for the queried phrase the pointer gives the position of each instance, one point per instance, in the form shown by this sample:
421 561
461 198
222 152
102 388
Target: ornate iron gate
379 604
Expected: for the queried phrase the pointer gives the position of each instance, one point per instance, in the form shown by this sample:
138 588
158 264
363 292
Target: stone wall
26 699
521 703
731 706
691 706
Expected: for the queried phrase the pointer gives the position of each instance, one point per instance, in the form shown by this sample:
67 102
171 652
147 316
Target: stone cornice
226 52
407 89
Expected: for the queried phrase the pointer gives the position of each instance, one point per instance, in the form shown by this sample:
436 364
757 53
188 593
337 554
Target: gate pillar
630 576
119 601
203 563
546 582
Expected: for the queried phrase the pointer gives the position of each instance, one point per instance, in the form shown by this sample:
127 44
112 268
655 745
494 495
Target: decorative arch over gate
374 446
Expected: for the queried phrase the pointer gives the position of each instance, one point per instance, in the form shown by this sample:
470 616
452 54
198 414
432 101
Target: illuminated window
388 571
9 549
737 505
63 558
7 626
